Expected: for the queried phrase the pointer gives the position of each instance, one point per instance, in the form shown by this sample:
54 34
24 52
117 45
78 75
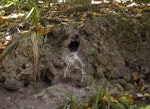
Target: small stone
120 88
122 82
114 91
147 89
12 84
145 70
26 75
129 86
118 73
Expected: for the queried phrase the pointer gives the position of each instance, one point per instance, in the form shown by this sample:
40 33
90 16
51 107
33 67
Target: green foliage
17 5
96 101
34 17
102 100
123 105
141 0
86 2
146 107
10 2
68 102
34 14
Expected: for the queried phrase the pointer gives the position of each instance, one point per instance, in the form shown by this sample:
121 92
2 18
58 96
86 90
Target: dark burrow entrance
73 46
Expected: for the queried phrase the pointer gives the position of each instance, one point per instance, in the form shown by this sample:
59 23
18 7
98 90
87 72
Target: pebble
114 91
120 88
129 86
12 84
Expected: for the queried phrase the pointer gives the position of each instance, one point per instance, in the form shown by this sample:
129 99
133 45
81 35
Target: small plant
102 99
146 107
10 2
34 16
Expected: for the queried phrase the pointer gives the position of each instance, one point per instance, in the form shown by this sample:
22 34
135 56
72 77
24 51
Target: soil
109 47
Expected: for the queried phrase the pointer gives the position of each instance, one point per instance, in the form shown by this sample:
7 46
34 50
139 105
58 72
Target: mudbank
73 55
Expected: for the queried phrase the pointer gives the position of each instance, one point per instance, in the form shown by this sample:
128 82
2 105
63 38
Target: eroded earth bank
109 47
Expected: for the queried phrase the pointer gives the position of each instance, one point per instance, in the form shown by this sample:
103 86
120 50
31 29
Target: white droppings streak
71 58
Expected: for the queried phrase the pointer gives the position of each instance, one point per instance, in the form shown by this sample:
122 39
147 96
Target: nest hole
45 78
143 37
73 46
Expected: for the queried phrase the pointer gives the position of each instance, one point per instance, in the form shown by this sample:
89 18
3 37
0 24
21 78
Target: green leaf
147 107
29 14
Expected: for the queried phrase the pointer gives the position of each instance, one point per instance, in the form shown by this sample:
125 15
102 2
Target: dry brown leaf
95 14
134 76
130 100
1 44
